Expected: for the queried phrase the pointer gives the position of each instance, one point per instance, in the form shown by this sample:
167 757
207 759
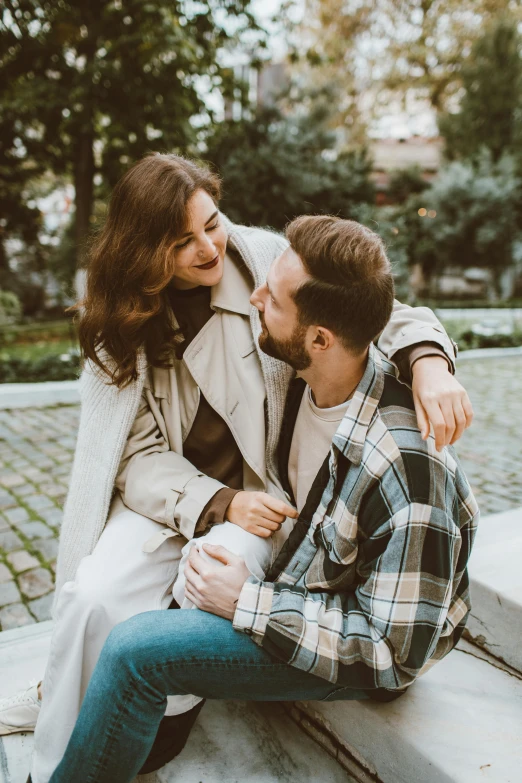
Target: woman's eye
183 244
211 228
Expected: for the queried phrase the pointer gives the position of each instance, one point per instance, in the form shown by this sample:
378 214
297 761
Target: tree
490 112
277 166
95 84
377 52
467 218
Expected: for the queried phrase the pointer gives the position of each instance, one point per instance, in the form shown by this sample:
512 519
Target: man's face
282 336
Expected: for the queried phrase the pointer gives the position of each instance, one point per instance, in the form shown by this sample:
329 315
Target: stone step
496 587
232 742
460 723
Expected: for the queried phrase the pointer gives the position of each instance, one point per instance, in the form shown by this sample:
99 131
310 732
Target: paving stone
4 524
53 490
7 500
25 489
11 480
41 607
5 574
9 541
22 560
9 593
48 547
35 529
35 583
14 616
52 516
16 515
38 502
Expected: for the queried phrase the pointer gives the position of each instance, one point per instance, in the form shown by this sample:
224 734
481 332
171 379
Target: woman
180 420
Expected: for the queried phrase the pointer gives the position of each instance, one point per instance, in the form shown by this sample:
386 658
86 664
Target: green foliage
277 166
10 308
476 207
87 87
53 367
490 113
405 183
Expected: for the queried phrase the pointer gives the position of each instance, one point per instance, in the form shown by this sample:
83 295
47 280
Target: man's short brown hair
351 289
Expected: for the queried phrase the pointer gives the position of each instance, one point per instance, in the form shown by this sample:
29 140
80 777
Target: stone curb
42 395
489 353
38 395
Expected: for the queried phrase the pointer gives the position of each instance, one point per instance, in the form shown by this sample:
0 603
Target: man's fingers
422 418
198 563
220 553
262 532
192 596
192 577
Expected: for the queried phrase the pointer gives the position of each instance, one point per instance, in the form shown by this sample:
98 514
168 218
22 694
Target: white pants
117 581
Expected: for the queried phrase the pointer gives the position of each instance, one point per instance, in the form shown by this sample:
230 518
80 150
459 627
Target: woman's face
199 253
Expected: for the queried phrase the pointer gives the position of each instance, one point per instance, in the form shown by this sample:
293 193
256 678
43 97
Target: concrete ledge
38 395
460 723
42 395
489 353
496 587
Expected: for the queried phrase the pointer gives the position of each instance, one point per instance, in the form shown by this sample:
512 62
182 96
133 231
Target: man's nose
256 299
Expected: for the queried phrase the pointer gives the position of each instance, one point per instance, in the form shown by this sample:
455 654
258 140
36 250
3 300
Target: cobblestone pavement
37 446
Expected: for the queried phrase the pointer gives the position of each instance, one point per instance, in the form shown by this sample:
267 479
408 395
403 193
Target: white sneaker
20 712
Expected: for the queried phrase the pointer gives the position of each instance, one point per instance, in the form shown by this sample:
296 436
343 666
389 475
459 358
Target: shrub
53 367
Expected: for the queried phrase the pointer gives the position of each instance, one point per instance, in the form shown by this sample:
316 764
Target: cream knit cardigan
107 415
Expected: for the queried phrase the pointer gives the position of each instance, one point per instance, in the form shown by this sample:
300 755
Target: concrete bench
460 723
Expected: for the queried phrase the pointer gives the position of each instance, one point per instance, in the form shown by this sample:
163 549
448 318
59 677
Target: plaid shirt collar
351 434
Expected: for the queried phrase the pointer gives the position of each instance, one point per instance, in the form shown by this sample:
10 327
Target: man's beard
292 351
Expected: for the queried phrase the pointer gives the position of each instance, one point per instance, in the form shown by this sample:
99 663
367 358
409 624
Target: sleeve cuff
406 358
216 508
253 608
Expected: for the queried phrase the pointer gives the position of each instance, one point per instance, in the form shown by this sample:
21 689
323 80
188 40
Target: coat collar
352 431
234 290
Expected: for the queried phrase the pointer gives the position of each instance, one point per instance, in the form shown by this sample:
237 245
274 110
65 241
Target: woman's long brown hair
130 265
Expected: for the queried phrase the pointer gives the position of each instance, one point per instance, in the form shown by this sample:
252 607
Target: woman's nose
207 246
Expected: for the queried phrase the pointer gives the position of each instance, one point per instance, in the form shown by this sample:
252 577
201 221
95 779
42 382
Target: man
371 588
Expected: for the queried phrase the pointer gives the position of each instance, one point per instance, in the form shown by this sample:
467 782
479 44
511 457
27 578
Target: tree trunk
84 191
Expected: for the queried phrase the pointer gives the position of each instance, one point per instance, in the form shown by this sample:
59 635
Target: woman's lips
210 264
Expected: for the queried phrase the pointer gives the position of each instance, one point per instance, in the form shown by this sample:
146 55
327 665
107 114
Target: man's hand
259 513
440 400
213 588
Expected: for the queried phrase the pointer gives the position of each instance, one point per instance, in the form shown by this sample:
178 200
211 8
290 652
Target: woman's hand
440 400
259 513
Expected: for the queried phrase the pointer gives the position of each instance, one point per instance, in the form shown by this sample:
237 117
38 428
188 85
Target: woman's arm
159 483
409 326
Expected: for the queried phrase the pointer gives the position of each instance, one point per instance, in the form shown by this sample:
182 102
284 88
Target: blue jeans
158 653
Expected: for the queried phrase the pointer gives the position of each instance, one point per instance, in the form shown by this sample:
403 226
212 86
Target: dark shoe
171 738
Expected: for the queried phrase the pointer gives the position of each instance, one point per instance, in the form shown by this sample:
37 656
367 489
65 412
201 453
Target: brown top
209 446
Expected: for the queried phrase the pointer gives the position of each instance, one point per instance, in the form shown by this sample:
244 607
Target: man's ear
323 339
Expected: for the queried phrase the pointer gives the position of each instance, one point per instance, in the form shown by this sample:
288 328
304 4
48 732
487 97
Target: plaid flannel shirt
371 587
